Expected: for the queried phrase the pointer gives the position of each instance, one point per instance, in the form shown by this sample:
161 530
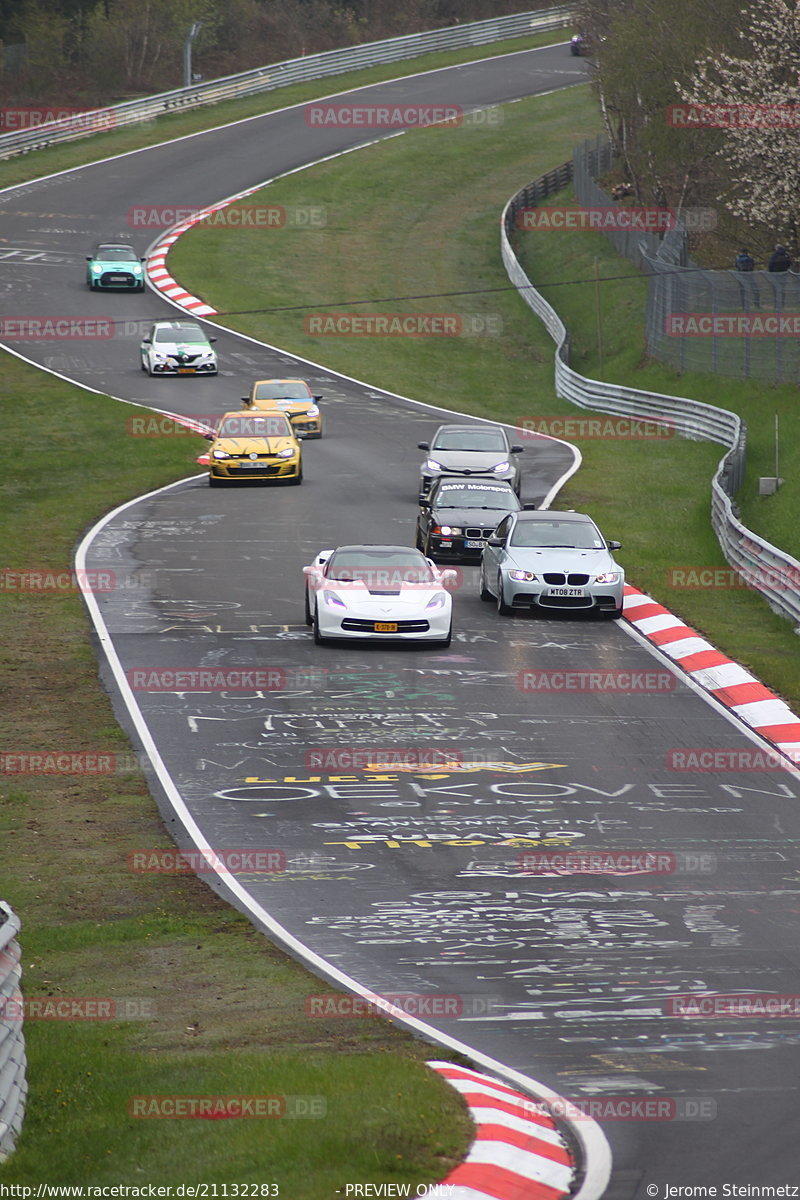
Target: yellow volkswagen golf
254 445
292 396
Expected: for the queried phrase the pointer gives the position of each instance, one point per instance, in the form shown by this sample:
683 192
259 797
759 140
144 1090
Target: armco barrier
13 1088
772 572
276 75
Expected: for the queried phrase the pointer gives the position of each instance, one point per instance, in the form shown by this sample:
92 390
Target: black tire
319 639
613 614
445 642
309 617
418 542
212 482
298 479
485 594
505 610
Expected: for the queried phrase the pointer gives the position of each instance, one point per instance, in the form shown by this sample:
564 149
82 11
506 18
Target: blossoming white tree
759 97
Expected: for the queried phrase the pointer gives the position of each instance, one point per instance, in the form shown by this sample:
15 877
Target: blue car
114 267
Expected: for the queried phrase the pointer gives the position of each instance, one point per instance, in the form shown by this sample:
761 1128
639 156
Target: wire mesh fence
742 324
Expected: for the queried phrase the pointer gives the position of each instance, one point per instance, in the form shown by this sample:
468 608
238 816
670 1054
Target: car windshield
470 496
247 426
573 535
471 439
282 389
181 333
116 254
379 568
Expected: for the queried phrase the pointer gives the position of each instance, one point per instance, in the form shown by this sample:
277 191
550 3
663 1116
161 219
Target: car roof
254 416
378 546
177 325
548 514
471 428
278 379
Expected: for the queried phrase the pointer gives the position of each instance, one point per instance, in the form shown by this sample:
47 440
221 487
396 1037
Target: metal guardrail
775 574
13 1087
276 75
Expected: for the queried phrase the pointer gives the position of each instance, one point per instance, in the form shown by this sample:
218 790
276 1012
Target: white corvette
388 592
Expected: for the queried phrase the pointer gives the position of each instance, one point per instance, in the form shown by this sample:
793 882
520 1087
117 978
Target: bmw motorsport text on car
115 267
292 396
469 450
378 592
252 446
178 348
458 516
551 560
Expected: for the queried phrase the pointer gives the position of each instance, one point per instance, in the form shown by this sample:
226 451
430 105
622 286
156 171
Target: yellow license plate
186 370
385 627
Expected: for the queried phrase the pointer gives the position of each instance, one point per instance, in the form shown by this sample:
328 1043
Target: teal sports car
114 267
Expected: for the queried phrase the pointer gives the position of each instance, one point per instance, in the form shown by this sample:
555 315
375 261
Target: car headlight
137 270
522 576
287 453
608 577
220 454
433 465
436 601
498 468
332 599
447 530
98 270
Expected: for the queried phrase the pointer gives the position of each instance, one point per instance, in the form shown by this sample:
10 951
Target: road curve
412 882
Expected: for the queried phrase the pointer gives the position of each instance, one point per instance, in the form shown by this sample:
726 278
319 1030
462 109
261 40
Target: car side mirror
317 398
212 339
423 445
495 541
615 545
424 502
147 341
209 436
528 507
517 449
88 258
246 401
449 578
307 571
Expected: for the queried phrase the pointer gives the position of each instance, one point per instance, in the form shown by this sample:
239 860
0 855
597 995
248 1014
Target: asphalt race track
412 882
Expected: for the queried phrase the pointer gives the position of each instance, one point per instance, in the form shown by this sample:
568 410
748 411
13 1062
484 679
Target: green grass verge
226 1008
179 124
419 215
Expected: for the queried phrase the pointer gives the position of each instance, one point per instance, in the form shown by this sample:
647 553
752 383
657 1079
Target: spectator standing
744 260
779 260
